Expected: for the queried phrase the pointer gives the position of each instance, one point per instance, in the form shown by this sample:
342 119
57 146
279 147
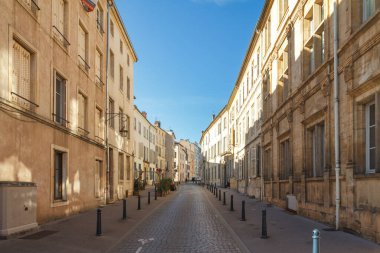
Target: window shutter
97 64
21 73
60 16
82 43
97 122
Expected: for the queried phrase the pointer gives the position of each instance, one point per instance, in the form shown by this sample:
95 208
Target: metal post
124 209
98 222
316 237
220 195
155 194
216 192
242 211
232 203
264 234
148 198
138 203
224 198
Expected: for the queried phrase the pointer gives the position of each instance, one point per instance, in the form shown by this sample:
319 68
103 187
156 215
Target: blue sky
190 53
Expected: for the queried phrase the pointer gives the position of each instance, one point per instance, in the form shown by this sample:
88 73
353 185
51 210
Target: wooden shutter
60 17
97 122
21 74
82 43
97 64
81 111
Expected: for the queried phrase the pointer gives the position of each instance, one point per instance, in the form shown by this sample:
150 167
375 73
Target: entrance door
111 172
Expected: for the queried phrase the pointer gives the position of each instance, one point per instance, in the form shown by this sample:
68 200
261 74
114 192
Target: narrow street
186 223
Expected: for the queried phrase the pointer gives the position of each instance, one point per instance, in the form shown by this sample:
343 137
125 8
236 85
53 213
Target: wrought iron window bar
63 36
99 81
83 130
83 61
99 26
60 118
25 99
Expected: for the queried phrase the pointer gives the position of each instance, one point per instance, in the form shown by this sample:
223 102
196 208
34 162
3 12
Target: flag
89 5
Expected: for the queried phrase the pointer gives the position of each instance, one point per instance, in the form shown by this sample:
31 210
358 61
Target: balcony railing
83 63
26 103
61 37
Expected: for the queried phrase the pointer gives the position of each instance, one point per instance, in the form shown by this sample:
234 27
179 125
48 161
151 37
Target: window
225 122
98 178
60 100
111 109
128 165
121 78
135 124
268 34
285 160
99 129
314 37
60 163
99 19
22 76
315 145
368 9
98 68
82 111
111 28
370 116
128 88
32 6
219 128
121 166
59 24
121 46
283 6
112 64
139 127
267 164
82 48
128 59
283 81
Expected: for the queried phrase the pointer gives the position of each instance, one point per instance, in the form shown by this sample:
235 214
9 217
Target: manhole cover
39 235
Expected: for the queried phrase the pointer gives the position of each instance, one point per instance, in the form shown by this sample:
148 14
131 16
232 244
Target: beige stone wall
29 136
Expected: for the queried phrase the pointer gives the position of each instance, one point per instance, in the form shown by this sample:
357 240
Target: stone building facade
53 102
318 112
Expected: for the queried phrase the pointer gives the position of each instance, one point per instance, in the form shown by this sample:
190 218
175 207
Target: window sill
375 175
59 203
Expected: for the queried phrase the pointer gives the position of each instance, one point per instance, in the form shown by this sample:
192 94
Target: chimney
143 114
213 116
158 123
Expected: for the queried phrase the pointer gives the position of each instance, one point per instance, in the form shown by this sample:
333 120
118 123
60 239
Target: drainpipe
336 119
107 109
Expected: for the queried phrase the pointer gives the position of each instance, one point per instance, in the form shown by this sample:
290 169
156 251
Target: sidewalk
77 233
287 232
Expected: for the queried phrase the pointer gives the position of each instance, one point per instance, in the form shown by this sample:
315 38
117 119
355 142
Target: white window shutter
21 73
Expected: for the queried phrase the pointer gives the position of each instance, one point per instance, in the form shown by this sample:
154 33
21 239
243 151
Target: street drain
39 235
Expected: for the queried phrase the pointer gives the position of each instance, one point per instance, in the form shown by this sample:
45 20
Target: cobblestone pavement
186 223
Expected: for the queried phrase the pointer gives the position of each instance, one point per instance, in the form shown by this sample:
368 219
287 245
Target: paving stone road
186 223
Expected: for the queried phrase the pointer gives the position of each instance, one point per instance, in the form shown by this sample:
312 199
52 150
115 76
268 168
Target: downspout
336 119
107 109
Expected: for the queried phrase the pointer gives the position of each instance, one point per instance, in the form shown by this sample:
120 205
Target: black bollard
124 209
148 198
216 192
224 198
98 222
220 195
242 211
155 194
138 203
232 203
264 234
